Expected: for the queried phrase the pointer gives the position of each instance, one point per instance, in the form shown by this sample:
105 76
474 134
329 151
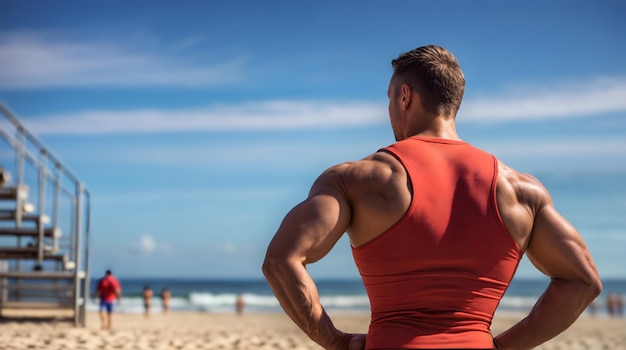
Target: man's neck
438 127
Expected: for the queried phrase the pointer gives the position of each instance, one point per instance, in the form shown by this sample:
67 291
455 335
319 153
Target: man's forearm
297 294
556 310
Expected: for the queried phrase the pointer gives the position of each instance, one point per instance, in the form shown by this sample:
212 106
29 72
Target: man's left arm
118 291
308 233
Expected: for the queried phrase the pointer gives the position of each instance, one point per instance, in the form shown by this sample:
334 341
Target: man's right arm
556 248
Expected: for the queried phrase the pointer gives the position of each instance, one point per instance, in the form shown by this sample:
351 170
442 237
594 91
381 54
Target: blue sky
198 125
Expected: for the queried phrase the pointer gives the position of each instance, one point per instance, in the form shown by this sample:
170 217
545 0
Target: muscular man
437 229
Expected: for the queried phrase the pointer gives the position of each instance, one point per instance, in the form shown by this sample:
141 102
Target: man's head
434 73
108 272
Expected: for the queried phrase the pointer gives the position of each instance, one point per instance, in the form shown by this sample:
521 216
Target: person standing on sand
147 295
239 304
437 229
610 305
108 290
615 305
165 299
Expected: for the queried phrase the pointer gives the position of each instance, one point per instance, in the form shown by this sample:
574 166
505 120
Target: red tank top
108 286
435 278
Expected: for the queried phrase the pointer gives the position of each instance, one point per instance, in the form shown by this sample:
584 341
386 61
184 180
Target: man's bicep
557 249
312 228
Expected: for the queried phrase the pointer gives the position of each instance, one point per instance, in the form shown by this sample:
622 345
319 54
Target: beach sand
197 330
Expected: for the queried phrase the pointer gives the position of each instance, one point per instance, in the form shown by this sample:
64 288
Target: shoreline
204 330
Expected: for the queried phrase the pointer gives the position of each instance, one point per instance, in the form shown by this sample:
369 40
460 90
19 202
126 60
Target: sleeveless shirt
436 277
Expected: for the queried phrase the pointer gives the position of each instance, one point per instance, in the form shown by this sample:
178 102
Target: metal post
77 274
73 228
19 204
86 280
19 168
42 205
56 204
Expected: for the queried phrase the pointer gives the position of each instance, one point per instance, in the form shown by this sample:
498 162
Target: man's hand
357 342
349 341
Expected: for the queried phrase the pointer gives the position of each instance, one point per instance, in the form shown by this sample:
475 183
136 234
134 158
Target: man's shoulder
374 173
373 166
525 187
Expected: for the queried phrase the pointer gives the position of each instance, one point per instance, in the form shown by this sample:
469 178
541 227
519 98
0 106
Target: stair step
13 193
35 305
26 252
37 295
30 232
41 275
34 255
11 216
40 287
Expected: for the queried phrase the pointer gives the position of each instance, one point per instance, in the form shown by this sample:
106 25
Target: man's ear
405 90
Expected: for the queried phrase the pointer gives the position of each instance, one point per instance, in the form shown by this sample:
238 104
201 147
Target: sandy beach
197 330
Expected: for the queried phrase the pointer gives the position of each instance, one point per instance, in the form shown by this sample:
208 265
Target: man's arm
308 233
96 292
118 292
556 249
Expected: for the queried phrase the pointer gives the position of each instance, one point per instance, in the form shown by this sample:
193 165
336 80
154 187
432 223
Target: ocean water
219 295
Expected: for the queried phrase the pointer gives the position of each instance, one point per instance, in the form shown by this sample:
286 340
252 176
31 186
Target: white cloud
268 115
33 60
586 98
147 244
235 192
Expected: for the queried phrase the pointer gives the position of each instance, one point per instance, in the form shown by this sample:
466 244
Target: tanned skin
366 197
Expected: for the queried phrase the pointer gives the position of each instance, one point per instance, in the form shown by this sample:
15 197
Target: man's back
108 288
379 192
436 276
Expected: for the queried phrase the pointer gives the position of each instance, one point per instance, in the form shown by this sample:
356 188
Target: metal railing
50 171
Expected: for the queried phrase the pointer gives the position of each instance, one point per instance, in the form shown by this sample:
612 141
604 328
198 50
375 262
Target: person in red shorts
437 229
108 291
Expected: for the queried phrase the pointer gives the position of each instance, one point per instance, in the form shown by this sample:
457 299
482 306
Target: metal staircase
44 244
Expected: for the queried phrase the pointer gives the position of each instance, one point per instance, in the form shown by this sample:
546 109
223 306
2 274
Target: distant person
239 304
611 305
147 295
166 295
108 291
437 228
615 305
